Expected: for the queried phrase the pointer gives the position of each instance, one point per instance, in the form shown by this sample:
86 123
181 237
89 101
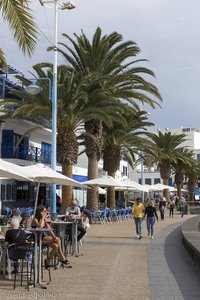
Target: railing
30 153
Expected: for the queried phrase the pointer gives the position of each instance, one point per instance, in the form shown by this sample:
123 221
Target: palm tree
165 149
180 167
120 140
73 107
107 56
18 15
193 175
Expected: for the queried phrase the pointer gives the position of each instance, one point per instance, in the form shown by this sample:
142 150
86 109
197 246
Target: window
46 153
198 156
3 192
22 191
156 180
14 191
148 181
9 192
125 171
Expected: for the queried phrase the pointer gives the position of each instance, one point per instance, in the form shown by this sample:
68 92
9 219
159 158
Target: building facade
152 175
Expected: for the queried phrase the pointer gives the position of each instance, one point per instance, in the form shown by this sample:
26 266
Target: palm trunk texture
67 191
111 203
92 193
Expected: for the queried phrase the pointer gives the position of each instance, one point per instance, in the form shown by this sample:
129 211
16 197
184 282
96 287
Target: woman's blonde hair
14 223
150 203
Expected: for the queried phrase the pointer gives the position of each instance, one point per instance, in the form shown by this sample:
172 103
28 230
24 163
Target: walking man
183 205
138 213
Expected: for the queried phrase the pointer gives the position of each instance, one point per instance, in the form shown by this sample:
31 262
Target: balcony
30 153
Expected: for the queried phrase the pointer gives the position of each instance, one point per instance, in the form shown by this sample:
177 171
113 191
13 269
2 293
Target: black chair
22 256
45 252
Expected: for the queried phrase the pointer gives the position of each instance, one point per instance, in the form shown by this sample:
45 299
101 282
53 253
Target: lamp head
67 5
41 2
33 89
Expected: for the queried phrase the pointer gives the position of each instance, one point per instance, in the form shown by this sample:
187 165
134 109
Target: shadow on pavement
180 265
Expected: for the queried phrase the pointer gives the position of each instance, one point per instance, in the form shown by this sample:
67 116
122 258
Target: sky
166 31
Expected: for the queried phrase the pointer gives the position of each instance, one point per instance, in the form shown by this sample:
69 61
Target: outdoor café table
61 225
74 222
38 233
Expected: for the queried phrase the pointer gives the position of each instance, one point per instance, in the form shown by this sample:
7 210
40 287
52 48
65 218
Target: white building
152 175
35 147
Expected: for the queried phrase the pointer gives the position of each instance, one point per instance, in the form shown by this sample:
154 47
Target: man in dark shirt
12 235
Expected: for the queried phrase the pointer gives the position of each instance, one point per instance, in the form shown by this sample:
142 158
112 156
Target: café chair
21 258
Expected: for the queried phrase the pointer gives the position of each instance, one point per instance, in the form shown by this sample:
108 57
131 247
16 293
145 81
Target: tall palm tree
73 107
109 56
164 150
120 140
193 175
180 167
20 19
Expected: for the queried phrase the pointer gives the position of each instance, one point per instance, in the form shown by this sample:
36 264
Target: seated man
73 211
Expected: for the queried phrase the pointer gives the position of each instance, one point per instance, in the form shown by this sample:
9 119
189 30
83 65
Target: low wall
191 238
194 210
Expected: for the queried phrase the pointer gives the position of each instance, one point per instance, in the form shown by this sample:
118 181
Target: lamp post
140 153
142 176
57 5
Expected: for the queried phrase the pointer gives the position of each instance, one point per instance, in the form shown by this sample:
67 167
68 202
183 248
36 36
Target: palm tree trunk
111 194
92 193
179 193
165 191
67 191
191 188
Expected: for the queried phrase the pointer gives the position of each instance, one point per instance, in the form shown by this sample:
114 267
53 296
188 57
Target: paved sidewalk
116 265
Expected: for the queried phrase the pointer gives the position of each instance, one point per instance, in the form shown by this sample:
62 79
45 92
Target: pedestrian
171 204
162 205
138 213
183 205
151 214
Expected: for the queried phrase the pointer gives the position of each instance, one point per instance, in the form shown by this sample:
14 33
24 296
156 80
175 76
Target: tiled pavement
116 265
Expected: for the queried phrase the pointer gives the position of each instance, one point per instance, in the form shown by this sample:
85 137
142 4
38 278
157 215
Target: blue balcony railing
30 153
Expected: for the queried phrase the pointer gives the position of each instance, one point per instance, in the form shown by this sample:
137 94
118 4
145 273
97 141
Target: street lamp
140 153
142 176
34 88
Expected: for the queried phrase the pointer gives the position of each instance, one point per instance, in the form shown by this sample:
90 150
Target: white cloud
167 33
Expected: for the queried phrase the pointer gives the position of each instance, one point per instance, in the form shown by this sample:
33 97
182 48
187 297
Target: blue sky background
167 32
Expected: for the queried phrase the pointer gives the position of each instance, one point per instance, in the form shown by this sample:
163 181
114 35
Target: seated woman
40 220
85 220
25 221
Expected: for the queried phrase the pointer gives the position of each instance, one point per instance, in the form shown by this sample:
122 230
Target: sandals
65 262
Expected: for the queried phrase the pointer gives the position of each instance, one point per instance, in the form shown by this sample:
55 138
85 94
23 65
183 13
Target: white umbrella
160 187
105 182
175 190
133 185
12 171
41 173
44 174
